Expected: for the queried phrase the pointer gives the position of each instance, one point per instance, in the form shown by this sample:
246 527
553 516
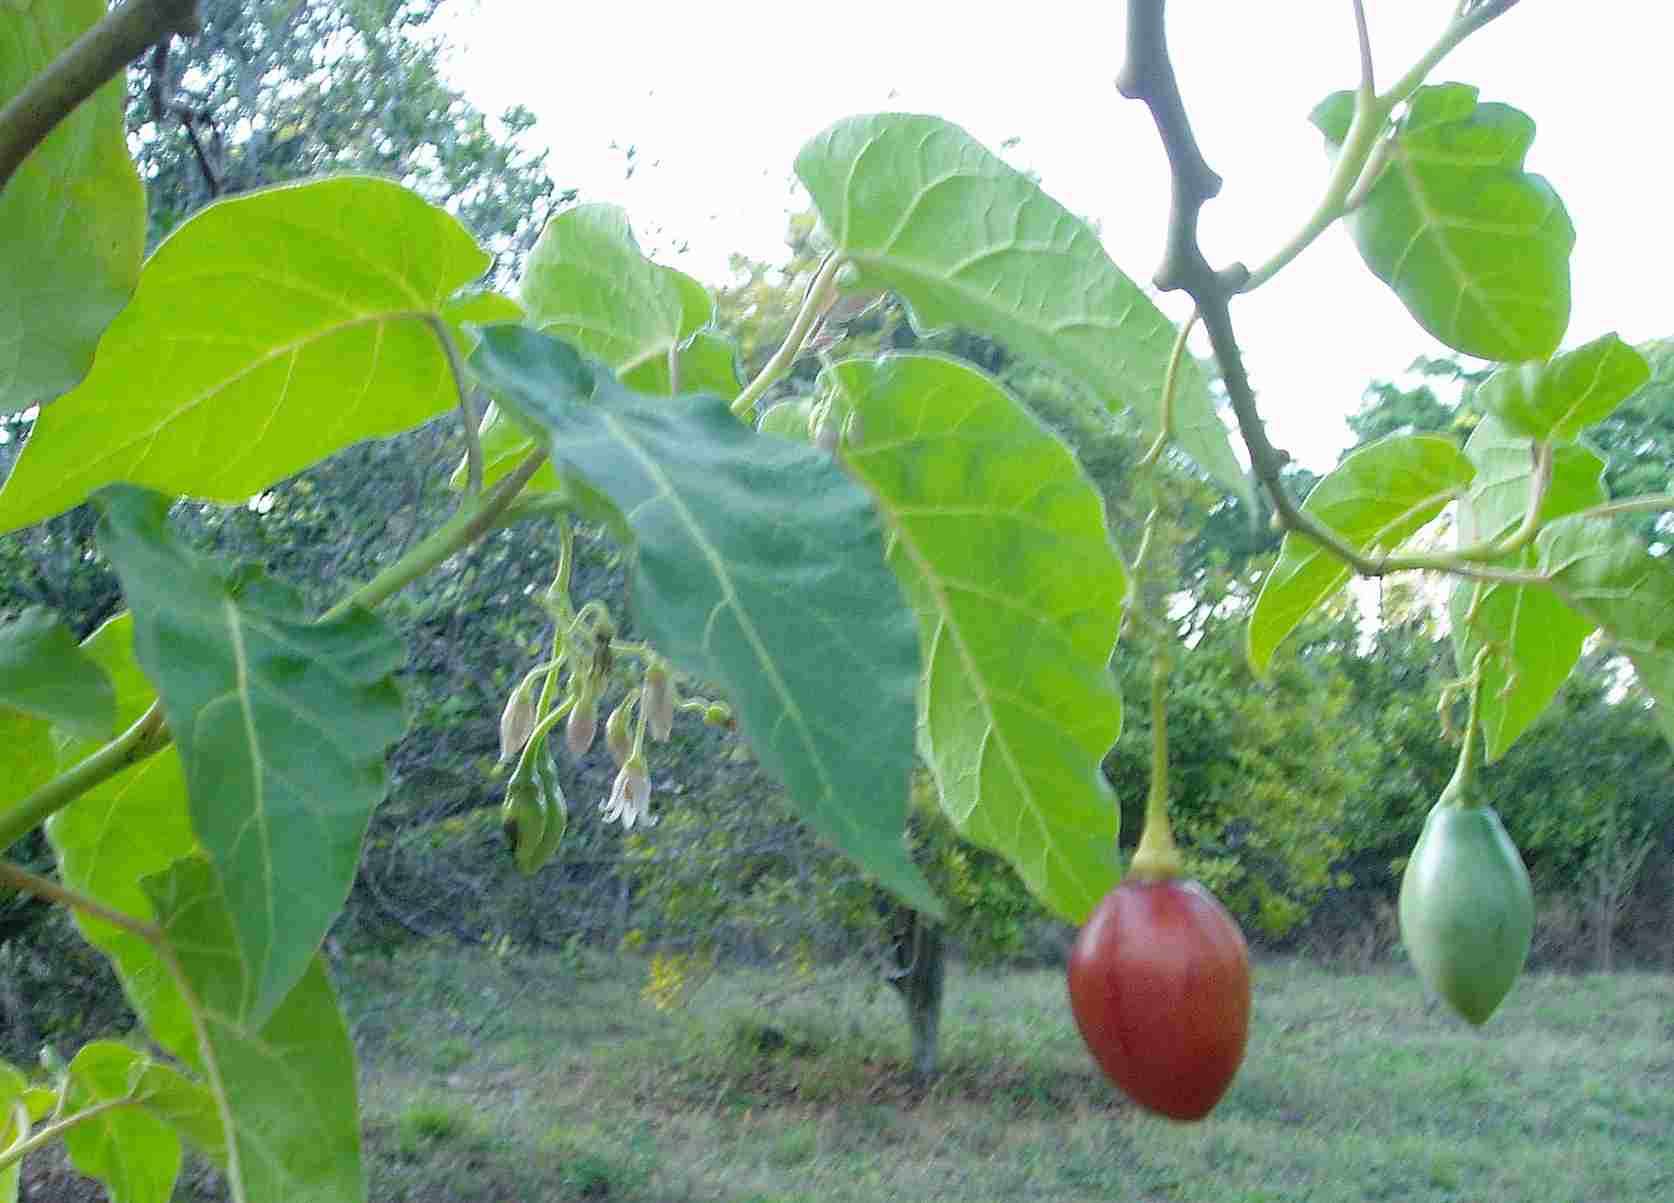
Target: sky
716 99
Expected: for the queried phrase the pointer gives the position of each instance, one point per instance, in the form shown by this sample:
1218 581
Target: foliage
282 90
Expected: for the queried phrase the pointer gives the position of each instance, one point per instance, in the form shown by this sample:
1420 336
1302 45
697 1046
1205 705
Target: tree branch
1148 76
87 64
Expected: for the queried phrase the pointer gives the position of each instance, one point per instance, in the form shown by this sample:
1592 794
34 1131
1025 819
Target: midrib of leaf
258 783
1582 394
729 596
945 623
289 349
211 1068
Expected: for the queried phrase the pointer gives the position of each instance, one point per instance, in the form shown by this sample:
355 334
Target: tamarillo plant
921 572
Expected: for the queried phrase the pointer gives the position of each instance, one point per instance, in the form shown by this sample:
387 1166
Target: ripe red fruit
1159 981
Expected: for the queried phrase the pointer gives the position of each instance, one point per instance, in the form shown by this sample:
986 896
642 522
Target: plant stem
1356 169
469 415
1158 857
1459 791
25 882
44 1136
87 64
474 518
144 736
1641 504
1165 414
819 297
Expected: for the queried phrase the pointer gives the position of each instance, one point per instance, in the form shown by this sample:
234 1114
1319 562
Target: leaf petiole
821 295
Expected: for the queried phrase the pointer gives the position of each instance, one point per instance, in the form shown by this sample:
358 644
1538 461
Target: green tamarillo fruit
1467 910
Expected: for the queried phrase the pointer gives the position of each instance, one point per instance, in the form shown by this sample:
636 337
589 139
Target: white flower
630 797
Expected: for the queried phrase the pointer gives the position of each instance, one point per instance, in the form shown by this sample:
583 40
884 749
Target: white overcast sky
717 98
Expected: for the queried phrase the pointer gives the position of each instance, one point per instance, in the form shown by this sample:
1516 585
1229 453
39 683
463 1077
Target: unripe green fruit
1467 910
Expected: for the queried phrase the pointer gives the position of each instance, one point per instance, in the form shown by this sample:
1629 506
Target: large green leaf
1560 399
588 282
1375 499
1476 248
708 364
1608 575
72 217
123 829
756 564
133 1152
1536 639
1000 540
1498 497
281 723
920 207
25 754
44 673
267 332
286 1087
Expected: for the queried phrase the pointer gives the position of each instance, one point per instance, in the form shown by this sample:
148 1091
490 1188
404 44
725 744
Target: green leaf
1498 497
281 723
1537 639
73 215
708 364
587 282
286 1088
1560 399
135 1154
920 207
477 309
267 332
1376 499
25 754
1476 248
121 830
788 419
12 1087
755 564
1001 543
1605 573
44 673
1656 676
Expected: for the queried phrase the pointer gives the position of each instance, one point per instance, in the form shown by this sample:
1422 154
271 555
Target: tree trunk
919 968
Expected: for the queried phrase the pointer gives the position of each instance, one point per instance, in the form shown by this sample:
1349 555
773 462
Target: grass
572 1088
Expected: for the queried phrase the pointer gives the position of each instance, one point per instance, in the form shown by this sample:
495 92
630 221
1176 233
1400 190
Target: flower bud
617 737
717 714
582 725
517 721
658 700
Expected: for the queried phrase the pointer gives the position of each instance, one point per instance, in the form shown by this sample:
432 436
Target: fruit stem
1158 857
1461 789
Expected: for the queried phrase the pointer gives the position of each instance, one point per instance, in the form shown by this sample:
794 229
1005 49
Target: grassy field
517 1079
